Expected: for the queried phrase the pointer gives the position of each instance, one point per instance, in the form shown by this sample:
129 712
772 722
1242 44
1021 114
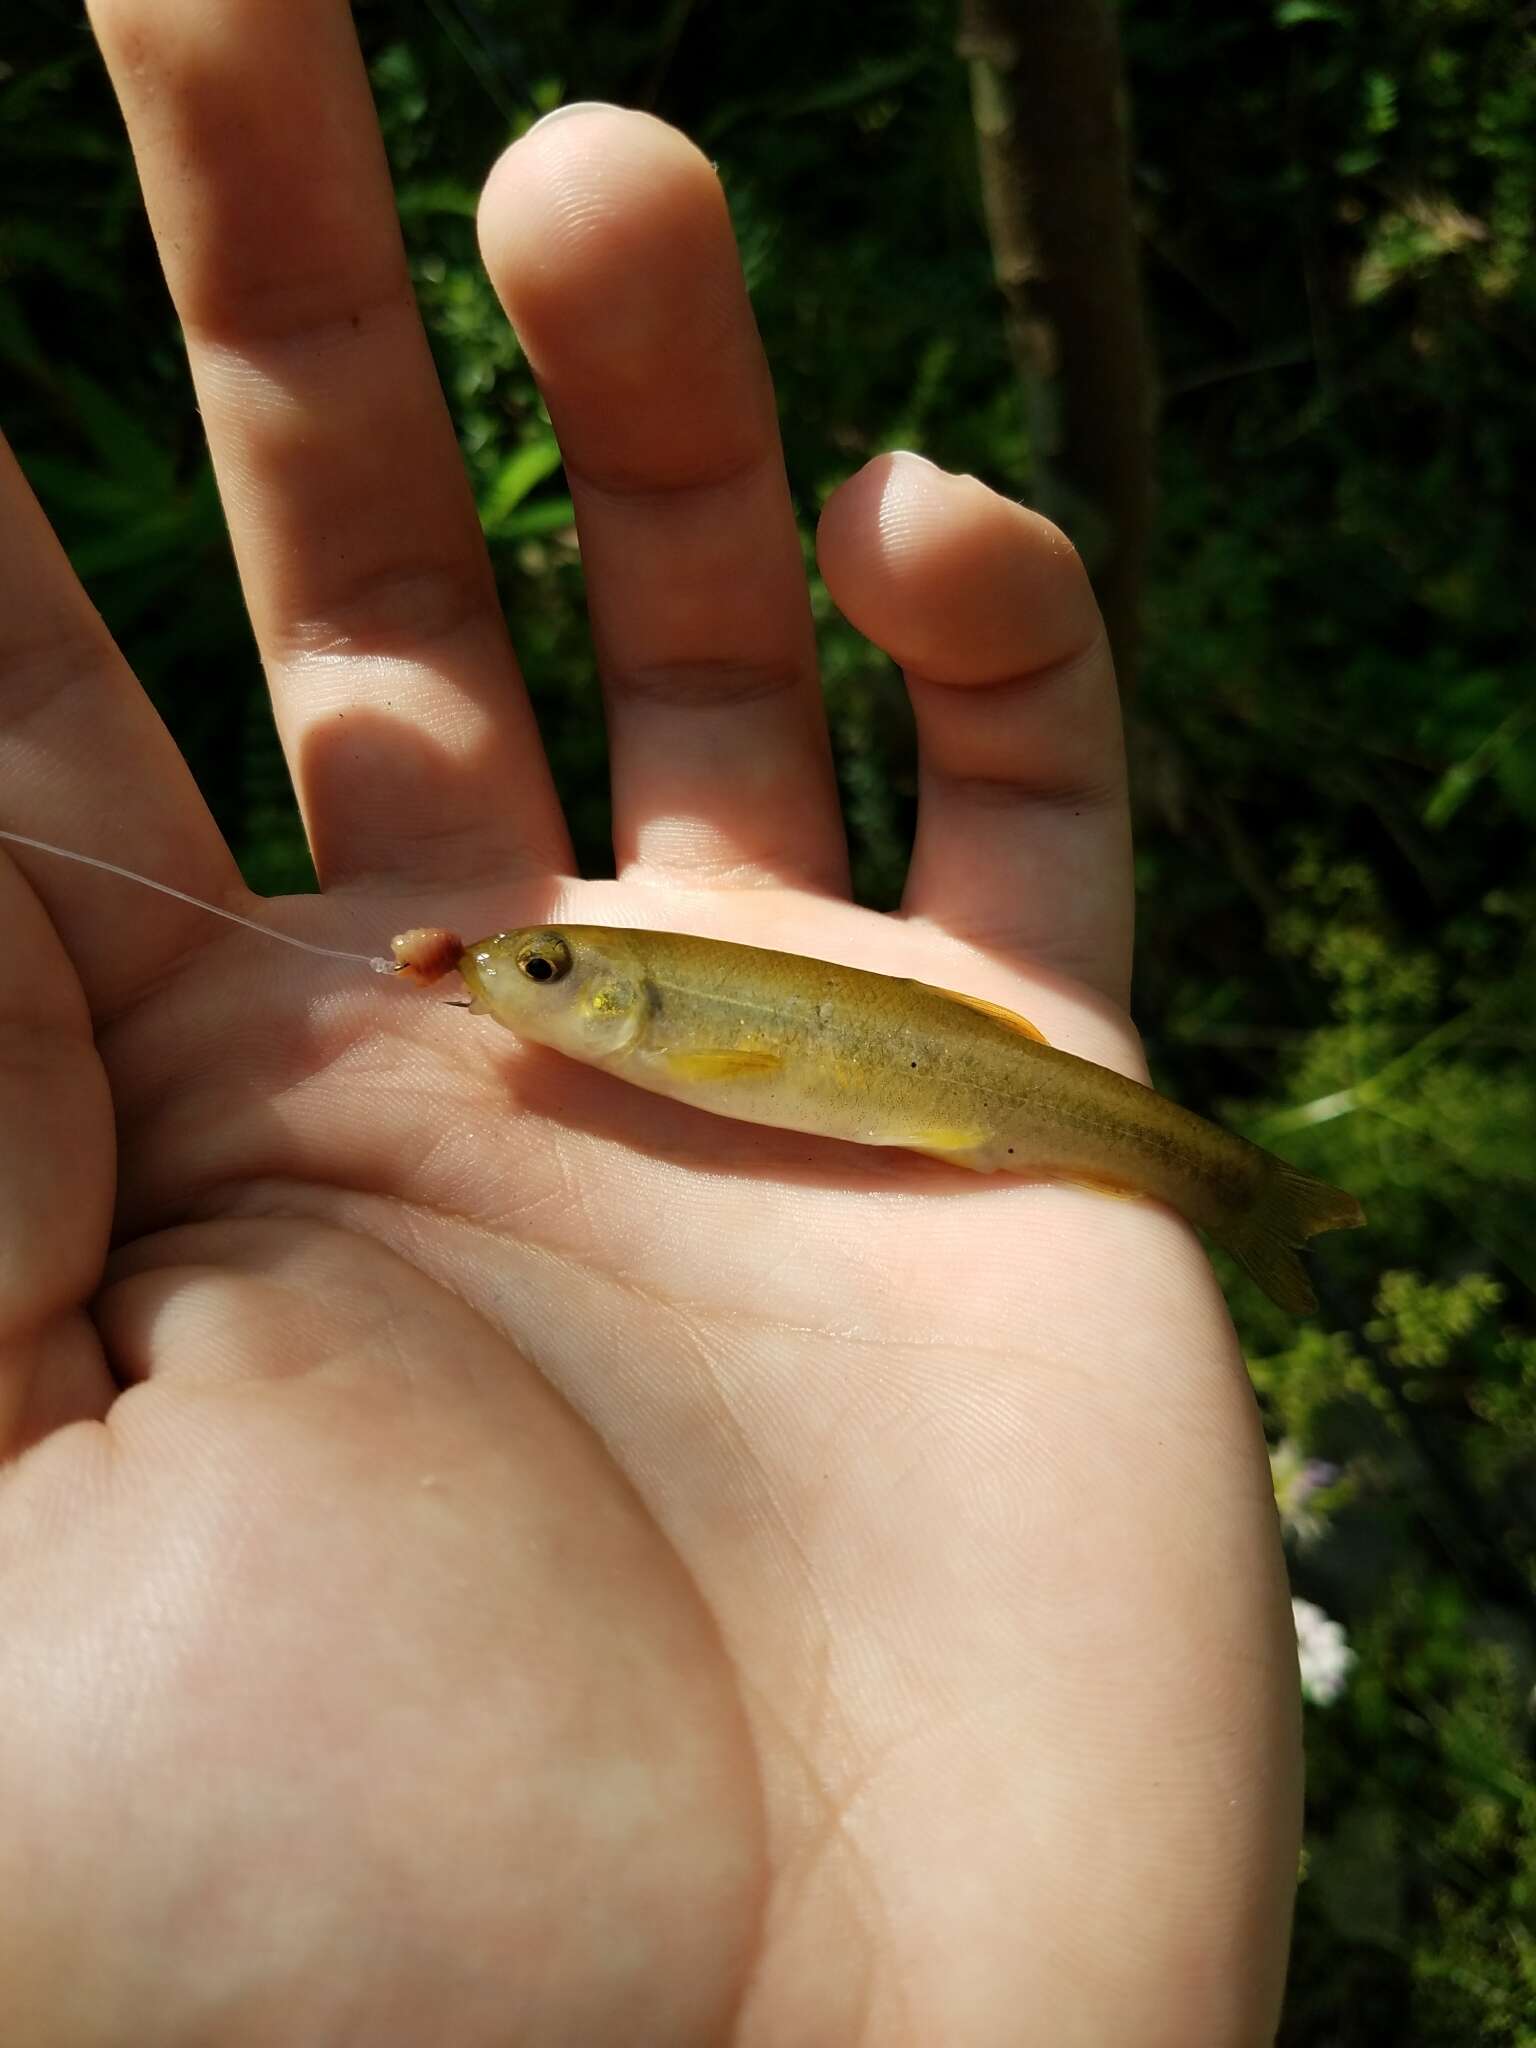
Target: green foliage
1337 720
1414 1916
1335 740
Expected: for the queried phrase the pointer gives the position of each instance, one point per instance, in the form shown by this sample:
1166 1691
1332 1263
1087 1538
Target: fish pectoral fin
950 1142
993 1010
728 1063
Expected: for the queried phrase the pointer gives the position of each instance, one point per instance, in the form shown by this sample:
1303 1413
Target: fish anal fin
1116 1189
993 1010
725 1063
951 1142
1274 1268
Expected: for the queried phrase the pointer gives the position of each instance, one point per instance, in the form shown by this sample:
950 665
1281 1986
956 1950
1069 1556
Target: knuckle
707 684
409 605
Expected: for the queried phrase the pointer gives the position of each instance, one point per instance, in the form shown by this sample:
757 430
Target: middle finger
607 237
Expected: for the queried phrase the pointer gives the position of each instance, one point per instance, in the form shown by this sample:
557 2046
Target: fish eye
545 958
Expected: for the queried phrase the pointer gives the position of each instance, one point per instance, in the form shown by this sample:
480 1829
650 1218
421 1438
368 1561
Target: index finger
410 738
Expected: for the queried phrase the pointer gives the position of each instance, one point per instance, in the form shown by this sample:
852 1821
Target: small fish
775 1038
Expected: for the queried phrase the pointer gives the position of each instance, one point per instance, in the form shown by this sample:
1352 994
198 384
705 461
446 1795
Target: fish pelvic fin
730 1063
993 1010
1291 1208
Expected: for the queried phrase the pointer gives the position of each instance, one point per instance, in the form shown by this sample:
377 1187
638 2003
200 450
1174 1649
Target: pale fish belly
930 1076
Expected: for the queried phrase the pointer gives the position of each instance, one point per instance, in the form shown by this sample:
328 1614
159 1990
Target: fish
841 1052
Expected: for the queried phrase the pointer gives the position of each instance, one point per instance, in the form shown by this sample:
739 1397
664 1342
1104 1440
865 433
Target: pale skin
489 1557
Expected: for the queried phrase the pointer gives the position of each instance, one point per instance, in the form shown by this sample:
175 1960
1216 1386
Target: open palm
493 1557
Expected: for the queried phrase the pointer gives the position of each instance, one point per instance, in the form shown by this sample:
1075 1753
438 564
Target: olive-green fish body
808 1045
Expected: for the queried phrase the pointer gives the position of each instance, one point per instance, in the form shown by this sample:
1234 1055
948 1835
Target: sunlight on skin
499 1555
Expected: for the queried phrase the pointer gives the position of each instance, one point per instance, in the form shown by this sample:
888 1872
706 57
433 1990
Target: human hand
493 1556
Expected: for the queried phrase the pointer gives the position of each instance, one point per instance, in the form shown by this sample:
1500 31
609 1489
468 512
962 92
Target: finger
1023 836
607 236
410 738
55 1182
85 762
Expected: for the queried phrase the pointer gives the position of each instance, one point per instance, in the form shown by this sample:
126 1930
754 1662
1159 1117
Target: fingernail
575 107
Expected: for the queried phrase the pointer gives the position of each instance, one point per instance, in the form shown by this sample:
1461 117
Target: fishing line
375 961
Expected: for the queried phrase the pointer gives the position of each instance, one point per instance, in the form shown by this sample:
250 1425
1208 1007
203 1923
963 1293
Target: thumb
56 1181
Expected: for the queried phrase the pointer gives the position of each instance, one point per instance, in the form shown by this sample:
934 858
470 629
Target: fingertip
609 242
589 190
956 582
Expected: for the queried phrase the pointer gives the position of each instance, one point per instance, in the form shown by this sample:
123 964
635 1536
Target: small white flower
1296 1478
1323 1653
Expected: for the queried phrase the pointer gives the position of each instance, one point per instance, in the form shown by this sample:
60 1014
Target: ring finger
1023 835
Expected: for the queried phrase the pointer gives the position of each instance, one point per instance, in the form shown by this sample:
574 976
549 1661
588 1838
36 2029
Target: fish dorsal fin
993 1010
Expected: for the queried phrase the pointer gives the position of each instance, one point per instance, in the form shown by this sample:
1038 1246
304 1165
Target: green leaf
544 515
426 197
523 471
1518 775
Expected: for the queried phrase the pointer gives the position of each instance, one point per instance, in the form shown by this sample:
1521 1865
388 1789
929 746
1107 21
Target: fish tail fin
1290 1208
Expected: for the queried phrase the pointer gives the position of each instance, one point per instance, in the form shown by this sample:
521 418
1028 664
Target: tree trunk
1048 95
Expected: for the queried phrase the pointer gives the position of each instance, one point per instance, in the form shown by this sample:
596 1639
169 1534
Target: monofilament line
376 961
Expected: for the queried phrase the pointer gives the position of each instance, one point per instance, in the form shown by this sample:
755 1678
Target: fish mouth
468 965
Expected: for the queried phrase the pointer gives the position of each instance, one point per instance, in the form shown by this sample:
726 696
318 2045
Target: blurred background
1316 549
